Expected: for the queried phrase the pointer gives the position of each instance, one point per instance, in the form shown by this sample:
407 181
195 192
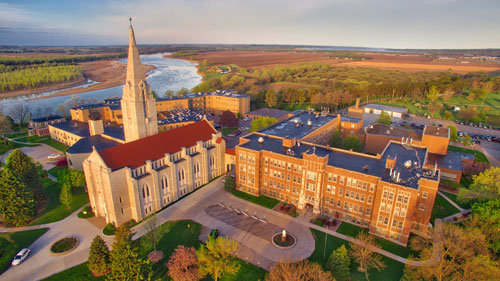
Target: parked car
21 256
54 156
246 119
213 234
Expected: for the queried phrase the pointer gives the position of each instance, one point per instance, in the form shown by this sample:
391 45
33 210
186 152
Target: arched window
164 183
182 174
143 192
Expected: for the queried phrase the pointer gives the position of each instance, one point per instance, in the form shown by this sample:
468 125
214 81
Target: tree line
340 85
31 77
64 59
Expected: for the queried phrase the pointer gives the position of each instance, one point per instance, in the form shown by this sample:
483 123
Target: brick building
392 194
436 139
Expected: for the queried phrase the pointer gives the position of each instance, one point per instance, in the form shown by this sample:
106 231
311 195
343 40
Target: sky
415 24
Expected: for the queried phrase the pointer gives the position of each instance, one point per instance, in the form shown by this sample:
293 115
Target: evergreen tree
126 265
77 178
336 139
23 167
229 184
17 205
66 197
339 264
125 261
98 261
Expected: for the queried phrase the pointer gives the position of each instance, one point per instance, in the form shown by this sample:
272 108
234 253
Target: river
170 74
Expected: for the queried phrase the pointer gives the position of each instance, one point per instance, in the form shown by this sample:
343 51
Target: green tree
182 92
77 178
488 210
154 94
66 196
453 133
17 205
229 184
384 118
217 257
352 142
98 261
336 139
432 94
169 93
486 185
23 167
339 264
364 255
262 122
271 98
125 262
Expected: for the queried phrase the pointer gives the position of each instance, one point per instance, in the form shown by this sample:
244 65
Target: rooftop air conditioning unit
407 164
261 140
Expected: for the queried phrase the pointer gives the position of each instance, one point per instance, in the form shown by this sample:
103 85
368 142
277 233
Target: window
394 223
340 191
406 200
400 198
372 188
386 221
347 193
341 180
422 206
370 199
424 195
391 195
362 198
384 195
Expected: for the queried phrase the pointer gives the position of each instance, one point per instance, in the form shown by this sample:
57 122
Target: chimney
96 127
390 163
357 102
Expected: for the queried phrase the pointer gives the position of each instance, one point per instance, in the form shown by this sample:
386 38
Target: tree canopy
262 122
228 120
384 118
217 257
17 205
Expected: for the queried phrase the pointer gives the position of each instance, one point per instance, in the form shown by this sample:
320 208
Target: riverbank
108 74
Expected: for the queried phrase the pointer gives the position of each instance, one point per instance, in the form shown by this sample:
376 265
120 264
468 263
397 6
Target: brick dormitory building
391 193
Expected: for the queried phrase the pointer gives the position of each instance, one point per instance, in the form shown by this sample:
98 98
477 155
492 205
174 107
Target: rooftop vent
261 140
407 164
317 116
309 123
388 132
366 167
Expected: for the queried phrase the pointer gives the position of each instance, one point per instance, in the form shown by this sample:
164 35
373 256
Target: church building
149 170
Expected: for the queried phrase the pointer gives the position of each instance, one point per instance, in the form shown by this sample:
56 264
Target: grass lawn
11 145
54 210
11 243
171 234
46 140
76 273
353 230
480 157
453 197
17 134
392 272
262 200
442 208
227 131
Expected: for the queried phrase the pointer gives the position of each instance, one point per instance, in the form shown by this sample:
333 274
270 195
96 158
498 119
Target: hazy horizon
391 24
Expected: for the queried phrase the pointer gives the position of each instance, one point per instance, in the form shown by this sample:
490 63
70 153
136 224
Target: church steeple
138 104
134 60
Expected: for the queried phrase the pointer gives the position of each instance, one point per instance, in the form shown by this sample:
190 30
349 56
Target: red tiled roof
230 151
219 140
135 154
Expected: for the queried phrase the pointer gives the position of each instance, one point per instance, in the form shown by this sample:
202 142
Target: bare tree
5 127
302 270
19 112
151 225
38 113
47 111
364 254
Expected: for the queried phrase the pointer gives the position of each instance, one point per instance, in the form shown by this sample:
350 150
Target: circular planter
64 246
289 242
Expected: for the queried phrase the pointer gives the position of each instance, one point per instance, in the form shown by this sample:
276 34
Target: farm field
403 62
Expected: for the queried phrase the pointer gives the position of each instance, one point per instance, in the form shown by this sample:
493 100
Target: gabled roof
136 153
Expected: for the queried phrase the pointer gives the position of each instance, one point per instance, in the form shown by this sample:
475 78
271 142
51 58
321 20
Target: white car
246 119
54 156
21 256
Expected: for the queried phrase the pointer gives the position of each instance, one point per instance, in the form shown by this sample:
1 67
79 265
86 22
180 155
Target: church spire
134 61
